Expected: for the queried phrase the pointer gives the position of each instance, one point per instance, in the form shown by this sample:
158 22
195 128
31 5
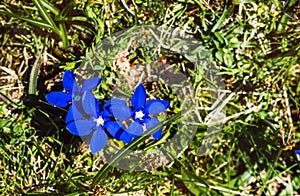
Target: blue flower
72 95
74 92
140 112
99 122
297 151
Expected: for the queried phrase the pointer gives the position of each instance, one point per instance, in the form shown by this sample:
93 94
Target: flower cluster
86 115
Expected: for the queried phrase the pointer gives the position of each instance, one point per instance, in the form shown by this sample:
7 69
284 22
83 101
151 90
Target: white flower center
139 115
99 121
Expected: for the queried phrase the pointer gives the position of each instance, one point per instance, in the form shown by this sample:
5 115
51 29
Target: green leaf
221 20
245 177
298 89
63 34
219 37
138 1
69 66
242 1
228 58
83 28
80 18
242 44
219 56
50 7
190 181
286 17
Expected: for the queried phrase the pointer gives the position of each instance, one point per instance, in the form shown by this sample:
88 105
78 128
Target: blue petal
156 106
109 103
98 140
73 114
138 98
90 84
80 127
106 113
116 130
120 111
152 123
115 101
158 134
297 151
76 89
90 104
59 99
68 80
135 129
126 137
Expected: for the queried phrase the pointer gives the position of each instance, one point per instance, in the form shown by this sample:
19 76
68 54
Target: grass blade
45 15
221 20
37 23
33 74
50 7
286 17
190 181
63 34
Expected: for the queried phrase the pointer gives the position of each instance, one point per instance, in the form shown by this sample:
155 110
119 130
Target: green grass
255 47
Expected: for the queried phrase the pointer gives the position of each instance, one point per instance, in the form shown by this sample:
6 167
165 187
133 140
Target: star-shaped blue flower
100 121
297 151
72 95
74 92
140 112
